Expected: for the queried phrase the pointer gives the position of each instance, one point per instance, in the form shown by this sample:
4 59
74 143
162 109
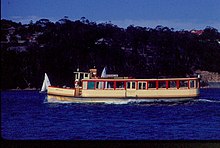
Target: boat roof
81 72
161 79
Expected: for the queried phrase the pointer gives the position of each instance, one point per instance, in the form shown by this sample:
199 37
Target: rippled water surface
26 115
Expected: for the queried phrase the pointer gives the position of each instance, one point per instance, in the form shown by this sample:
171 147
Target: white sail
46 83
103 75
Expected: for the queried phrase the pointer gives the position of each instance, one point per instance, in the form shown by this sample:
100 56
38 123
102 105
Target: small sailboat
103 75
45 84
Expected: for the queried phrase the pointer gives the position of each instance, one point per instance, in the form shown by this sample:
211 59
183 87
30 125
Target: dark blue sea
25 115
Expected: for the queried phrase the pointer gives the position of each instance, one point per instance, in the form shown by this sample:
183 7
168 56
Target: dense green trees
60 48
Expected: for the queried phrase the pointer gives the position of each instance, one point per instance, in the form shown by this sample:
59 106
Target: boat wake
207 100
60 102
130 101
120 101
145 101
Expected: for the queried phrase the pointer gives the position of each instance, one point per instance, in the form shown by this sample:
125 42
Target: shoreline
214 84
17 89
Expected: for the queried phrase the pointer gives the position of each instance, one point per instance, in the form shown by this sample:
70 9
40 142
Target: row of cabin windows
102 85
141 84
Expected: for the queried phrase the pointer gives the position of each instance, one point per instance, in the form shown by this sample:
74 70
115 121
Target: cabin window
81 76
197 83
144 85
192 84
84 85
152 84
99 85
91 85
128 84
105 85
76 76
119 84
141 85
131 85
172 84
183 83
162 84
110 84
86 76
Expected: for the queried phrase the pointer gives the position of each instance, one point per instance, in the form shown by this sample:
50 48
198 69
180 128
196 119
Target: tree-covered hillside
30 50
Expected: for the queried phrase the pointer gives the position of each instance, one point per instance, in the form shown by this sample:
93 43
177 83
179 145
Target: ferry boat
110 87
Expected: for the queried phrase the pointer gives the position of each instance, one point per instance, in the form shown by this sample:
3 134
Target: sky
177 14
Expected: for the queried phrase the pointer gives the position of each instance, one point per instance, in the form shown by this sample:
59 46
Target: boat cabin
141 84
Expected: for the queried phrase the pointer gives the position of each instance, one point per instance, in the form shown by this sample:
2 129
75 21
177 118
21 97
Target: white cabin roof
163 79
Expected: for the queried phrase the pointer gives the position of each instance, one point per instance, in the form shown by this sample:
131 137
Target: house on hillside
11 30
197 32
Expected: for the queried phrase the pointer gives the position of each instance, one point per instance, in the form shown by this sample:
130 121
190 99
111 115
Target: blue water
25 115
